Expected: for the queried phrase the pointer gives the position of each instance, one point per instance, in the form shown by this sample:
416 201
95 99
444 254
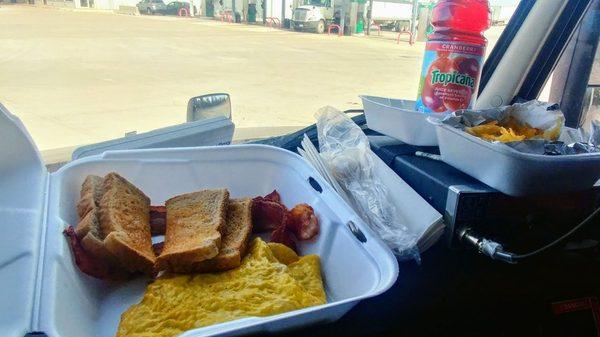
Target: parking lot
77 77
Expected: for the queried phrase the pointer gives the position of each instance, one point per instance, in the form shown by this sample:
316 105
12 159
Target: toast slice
236 233
93 241
88 223
124 217
87 209
194 225
91 192
88 229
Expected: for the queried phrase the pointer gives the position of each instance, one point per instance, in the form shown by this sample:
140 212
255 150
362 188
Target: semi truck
313 15
316 15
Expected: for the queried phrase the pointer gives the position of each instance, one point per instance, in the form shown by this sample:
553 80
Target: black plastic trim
292 140
571 76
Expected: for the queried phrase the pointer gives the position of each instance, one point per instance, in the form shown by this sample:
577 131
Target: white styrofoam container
398 119
512 172
42 289
211 131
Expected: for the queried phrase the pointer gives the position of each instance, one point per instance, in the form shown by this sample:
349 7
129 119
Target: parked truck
313 15
316 15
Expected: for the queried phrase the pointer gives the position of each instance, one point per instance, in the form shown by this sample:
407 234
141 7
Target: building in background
502 11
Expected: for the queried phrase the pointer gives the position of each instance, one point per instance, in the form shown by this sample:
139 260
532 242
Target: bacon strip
273 196
267 215
158 247
158 220
88 264
283 236
303 222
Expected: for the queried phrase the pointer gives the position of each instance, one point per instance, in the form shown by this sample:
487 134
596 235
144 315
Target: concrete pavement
77 77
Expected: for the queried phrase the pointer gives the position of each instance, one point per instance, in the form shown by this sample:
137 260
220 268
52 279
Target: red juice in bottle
453 56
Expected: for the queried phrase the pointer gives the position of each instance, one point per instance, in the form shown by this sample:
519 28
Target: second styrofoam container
398 119
512 172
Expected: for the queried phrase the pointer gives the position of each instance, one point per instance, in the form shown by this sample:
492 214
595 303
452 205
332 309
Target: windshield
94 70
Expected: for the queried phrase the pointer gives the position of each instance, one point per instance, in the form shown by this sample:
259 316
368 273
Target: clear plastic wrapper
345 149
555 139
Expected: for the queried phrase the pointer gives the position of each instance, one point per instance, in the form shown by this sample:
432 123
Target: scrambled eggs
271 279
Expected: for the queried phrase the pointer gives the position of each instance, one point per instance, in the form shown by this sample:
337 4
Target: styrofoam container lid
23 181
398 119
43 290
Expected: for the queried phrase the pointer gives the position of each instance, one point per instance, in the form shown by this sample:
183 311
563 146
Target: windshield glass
85 71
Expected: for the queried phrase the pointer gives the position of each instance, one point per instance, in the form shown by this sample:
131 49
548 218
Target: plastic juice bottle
453 56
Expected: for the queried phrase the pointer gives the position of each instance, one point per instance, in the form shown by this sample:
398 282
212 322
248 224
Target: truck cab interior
551 286
456 290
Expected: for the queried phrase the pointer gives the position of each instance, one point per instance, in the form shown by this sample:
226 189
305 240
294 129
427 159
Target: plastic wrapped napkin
345 149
